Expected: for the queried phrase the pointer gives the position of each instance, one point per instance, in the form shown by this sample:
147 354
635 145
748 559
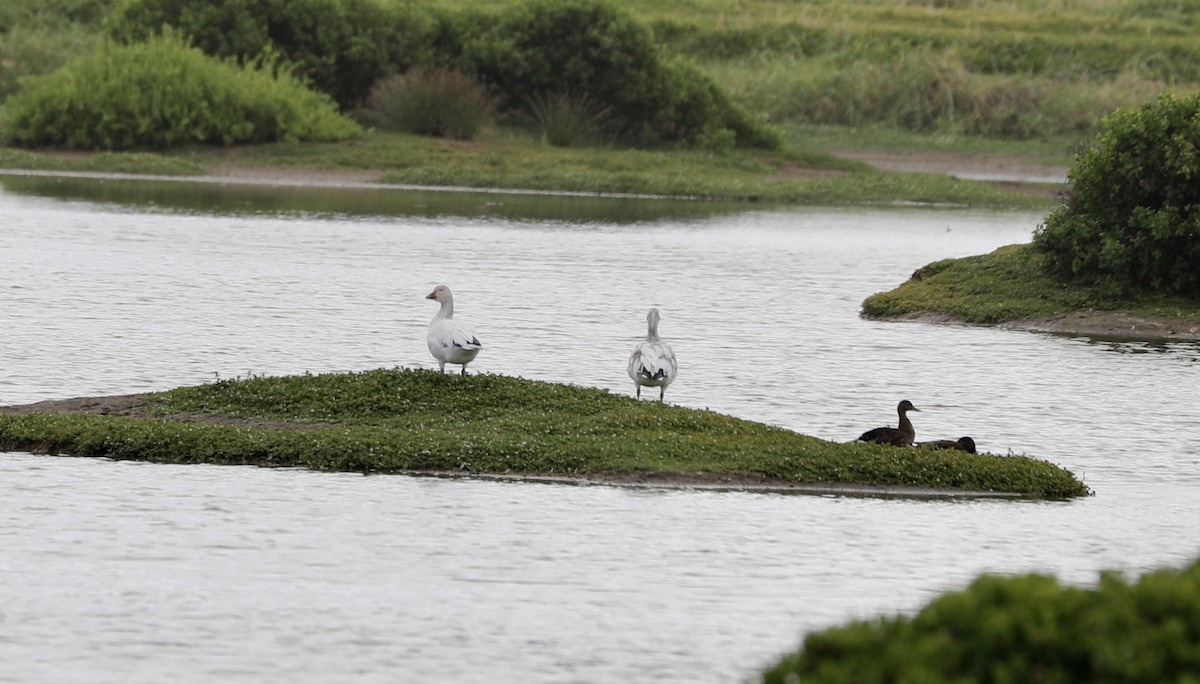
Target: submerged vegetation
413 420
1020 629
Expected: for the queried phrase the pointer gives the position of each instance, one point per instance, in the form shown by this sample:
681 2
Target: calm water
136 572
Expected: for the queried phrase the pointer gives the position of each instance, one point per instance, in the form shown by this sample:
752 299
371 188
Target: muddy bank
1100 324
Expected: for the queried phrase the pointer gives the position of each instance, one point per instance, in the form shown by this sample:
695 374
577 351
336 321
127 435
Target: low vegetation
1010 284
1020 629
1127 238
411 420
161 94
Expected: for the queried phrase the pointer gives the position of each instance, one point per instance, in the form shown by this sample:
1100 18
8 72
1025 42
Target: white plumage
652 363
450 341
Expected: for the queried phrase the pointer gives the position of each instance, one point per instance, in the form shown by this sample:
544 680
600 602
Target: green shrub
1132 219
341 46
437 102
51 14
1020 629
587 47
26 51
163 94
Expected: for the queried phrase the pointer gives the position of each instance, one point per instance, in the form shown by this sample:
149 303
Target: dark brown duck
898 436
962 444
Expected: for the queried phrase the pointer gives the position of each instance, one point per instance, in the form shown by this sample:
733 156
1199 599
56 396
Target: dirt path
1008 172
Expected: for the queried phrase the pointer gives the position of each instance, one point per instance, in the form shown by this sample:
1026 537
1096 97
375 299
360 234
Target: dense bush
437 102
1020 629
51 14
163 93
341 46
587 47
1132 219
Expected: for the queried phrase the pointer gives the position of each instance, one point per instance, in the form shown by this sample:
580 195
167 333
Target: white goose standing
450 341
652 363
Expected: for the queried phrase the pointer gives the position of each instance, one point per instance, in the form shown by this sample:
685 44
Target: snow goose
652 363
450 341
897 436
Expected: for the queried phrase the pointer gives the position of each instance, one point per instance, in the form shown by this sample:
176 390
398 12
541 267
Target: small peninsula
1008 288
423 422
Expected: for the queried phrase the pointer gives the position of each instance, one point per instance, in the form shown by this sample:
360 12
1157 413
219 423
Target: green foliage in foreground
1020 629
412 420
162 94
1132 219
1010 284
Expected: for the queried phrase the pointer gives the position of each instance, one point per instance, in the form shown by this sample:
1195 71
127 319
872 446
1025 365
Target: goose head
906 406
441 294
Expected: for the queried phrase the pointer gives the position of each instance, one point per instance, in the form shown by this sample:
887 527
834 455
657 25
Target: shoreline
127 405
1108 325
1034 178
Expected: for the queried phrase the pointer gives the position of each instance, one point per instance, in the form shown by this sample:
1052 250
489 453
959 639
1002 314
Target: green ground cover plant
161 94
414 420
1020 629
1011 284
1126 238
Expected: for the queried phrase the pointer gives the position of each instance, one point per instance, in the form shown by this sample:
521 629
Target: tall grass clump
438 102
935 92
1132 219
1020 629
566 120
163 94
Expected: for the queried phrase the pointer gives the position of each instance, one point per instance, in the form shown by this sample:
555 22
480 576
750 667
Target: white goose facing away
652 363
450 341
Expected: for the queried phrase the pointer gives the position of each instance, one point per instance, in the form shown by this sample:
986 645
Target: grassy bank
405 420
509 160
1029 79
1009 284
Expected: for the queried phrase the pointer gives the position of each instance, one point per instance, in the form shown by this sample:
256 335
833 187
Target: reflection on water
141 572
349 202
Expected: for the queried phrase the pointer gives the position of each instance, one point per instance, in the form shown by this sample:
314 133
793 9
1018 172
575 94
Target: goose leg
662 391
639 391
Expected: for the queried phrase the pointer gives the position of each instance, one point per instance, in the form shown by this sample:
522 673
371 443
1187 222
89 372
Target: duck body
962 444
450 340
652 363
903 435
